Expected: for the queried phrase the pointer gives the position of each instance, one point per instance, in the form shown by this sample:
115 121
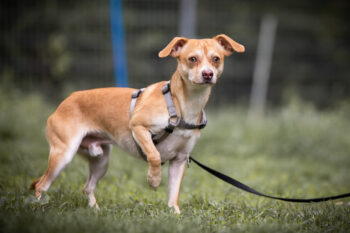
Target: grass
293 152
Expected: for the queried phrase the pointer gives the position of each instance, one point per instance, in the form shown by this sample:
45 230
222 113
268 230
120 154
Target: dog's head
201 62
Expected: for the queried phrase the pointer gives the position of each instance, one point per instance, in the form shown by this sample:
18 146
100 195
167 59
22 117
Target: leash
248 189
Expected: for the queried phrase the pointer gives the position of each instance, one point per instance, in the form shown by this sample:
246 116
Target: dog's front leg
144 139
177 169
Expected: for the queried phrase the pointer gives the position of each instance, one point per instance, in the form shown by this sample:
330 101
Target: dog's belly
178 144
127 143
92 143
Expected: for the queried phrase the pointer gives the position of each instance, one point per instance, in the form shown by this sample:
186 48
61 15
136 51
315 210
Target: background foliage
58 46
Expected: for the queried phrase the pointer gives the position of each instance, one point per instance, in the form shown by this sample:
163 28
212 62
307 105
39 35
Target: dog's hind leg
98 166
63 146
58 159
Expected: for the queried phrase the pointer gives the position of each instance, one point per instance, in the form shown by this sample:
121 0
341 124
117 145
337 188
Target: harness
174 120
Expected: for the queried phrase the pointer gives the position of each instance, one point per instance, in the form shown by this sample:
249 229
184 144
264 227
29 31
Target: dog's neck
191 98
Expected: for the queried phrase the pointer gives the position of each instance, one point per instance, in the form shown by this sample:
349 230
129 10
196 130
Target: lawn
295 151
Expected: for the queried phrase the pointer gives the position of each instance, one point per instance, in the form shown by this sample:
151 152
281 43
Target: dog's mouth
207 82
203 83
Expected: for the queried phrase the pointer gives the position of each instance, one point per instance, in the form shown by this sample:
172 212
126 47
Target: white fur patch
180 142
95 150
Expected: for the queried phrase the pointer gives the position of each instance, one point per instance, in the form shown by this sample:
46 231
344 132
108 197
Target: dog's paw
43 199
154 176
94 206
175 209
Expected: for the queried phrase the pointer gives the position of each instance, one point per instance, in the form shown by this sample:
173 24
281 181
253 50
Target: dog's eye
192 59
216 59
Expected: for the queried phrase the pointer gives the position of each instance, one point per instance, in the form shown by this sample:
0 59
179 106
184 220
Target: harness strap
180 124
134 97
174 119
184 125
169 101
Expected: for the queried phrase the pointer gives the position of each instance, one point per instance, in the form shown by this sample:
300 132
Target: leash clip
188 162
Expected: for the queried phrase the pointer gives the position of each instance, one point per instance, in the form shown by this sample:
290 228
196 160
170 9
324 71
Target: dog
89 122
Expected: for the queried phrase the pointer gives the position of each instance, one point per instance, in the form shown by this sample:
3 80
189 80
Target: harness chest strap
174 119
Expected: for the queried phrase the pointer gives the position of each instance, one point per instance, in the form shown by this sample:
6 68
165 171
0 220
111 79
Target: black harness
174 120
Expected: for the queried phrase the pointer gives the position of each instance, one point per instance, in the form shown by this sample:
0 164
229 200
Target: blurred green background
54 47
298 148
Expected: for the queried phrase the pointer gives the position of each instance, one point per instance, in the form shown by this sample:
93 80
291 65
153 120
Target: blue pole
118 43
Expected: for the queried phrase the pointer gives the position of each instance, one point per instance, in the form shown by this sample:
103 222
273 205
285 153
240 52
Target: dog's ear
174 47
228 44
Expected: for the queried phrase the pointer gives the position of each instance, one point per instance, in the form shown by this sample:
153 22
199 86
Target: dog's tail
32 186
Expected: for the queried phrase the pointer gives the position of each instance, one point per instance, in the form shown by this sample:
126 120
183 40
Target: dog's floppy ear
228 44
174 47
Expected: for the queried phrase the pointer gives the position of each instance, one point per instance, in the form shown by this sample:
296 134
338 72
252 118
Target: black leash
246 188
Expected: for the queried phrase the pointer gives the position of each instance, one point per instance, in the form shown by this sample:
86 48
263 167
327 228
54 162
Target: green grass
293 152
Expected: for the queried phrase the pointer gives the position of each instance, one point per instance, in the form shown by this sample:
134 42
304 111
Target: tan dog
88 122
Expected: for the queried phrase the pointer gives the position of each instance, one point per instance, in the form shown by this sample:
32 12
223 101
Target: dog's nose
207 74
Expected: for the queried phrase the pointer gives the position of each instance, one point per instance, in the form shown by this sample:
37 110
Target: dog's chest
178 143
